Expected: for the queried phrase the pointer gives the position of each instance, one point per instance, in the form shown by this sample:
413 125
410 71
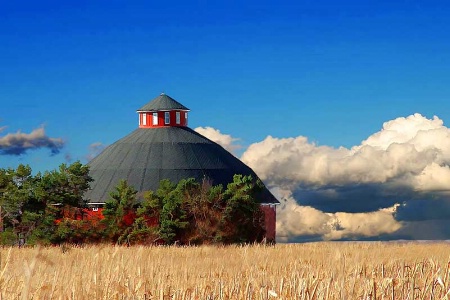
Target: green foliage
199 213
8 238
15 191
119 212
242 208
65 186
166 206
27 202
49 208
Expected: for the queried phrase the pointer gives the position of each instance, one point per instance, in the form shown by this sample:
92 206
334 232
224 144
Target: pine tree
120 212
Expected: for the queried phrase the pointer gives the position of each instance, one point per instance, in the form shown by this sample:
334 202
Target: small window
167 117
185 118
155 118
144 119
178 117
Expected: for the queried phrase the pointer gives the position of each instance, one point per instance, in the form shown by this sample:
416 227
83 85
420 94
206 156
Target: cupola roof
163 102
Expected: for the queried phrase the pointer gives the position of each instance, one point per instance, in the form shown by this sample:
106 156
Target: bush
8 238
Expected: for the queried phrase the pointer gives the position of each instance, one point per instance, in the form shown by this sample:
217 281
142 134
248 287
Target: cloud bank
380 189
19 143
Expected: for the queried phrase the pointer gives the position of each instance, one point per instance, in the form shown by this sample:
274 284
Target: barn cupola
163 111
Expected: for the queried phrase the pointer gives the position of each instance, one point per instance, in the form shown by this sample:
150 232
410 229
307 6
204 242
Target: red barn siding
90 214
270 218
161 119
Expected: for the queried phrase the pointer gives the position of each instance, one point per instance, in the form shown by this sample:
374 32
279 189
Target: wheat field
327 270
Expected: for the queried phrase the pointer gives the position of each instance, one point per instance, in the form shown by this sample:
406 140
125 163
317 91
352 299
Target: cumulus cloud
19 143
398 175
225 140
407 130
298 222
94 150
294 161
410 153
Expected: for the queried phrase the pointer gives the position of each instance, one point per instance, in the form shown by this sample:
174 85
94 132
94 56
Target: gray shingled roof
146 156
163 102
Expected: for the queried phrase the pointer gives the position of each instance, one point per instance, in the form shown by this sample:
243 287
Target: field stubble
341 270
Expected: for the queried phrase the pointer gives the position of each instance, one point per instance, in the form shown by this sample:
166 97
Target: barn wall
90 214
173 121
270 218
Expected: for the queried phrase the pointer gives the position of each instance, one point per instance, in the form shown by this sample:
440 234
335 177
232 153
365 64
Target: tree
204 205
58 197
15 191
49 208
199 213
242 219
67 185
166 204
120 212
31 205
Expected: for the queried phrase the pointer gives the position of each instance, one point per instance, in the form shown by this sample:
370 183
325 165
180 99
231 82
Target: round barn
164 147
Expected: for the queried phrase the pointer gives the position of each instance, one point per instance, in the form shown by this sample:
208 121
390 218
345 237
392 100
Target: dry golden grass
297 271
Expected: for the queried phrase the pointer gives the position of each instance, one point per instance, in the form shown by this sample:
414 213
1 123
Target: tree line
49 208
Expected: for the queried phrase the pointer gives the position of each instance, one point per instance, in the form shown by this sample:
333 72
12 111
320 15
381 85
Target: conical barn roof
146 156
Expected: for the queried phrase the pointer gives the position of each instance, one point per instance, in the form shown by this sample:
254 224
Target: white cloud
403 152
403 131
225 140
295 221
372 224
401 171
433 177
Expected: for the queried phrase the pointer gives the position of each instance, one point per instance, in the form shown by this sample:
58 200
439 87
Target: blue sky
332 71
